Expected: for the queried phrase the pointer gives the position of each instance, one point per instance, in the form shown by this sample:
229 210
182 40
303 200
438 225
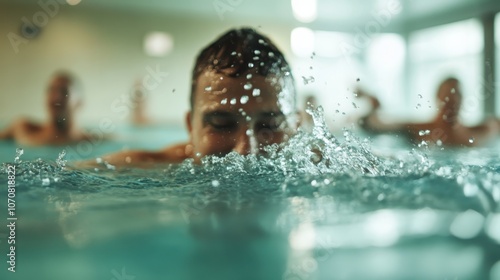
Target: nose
246 142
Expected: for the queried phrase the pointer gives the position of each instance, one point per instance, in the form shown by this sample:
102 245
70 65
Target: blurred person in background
62 101
444 129
138 100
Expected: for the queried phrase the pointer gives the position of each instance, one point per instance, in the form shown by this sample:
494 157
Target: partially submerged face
241 114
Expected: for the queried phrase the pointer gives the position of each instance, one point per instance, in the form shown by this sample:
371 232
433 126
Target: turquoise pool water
364 211
149 137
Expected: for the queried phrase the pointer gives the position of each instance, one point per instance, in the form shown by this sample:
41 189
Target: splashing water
308 80
331 187
19 153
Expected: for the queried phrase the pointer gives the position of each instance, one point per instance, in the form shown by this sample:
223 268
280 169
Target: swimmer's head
62 96
242 97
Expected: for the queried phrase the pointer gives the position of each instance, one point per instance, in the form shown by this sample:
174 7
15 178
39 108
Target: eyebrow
218 113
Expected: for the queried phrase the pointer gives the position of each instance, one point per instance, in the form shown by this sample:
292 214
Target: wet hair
237 52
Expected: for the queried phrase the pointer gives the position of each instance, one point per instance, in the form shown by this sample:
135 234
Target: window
439 52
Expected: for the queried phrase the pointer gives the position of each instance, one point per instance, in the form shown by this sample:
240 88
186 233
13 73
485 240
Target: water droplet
209 88
249 76
308 80
439 142
270 54
314 183
248 118
223 101
198 154
366 193
424 132
233 101
45 181
256 52
233 53
256 92
244 99
453 90
215 183
61 162
422 144
471 140
247 86
19 153
109 166
470 189
250 65
249 132
381 197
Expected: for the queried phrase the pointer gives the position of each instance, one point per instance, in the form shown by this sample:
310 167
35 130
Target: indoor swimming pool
361 210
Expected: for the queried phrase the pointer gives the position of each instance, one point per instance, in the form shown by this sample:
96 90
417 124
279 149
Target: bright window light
385 58
302 41
329 44
158 44
73 2
447 41
387 51
304 10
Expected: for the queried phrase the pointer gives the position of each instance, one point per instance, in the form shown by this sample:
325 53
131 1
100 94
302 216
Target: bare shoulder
26 124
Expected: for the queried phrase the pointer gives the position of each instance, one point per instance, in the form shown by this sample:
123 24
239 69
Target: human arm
138 158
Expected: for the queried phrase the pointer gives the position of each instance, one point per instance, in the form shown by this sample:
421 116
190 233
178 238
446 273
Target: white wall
104 49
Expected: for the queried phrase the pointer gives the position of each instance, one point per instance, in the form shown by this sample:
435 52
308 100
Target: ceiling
332 14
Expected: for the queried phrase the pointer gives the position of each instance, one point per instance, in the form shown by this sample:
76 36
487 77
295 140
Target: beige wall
104 48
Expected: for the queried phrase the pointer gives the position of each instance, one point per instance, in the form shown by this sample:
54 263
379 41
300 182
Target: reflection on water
320 207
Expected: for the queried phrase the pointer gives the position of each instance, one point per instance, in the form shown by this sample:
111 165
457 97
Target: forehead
249 91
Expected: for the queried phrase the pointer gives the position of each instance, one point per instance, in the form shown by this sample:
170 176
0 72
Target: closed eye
220 121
